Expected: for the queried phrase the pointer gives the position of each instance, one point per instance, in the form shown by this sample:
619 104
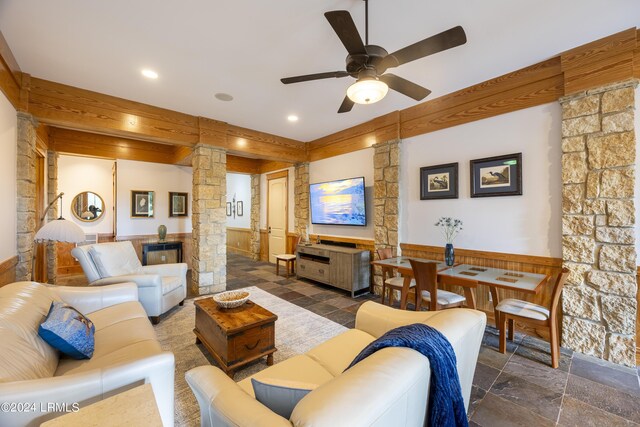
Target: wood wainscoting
516 262
8 270
67 264
239 241
637 316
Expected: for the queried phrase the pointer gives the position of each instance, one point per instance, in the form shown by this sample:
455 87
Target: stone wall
386 165
209 266
26 194
598 169
52 192
255 217
301 196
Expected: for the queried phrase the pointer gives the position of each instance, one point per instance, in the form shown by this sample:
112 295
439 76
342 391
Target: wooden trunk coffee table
236 336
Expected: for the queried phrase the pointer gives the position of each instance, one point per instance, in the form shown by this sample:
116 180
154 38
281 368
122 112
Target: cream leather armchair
160 287
39 383
388 388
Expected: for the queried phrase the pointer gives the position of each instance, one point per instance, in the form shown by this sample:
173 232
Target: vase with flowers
450 228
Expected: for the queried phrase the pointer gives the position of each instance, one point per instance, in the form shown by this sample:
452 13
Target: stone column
209 266
255 217
52 192
26 194
386 165
598 218
301 196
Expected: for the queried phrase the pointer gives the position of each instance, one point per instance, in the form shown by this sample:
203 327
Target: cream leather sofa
160 287
389 388
33 375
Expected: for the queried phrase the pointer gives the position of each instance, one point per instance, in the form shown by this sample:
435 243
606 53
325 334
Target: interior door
277 217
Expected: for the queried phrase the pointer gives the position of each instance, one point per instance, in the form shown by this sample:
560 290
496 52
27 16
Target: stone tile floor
518 388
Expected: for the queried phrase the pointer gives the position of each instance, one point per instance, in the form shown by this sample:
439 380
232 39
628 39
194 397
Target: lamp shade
60 230
367 91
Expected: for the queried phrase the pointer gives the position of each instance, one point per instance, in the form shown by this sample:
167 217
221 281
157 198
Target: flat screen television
339 202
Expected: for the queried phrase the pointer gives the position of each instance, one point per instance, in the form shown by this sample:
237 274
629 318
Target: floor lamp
57 230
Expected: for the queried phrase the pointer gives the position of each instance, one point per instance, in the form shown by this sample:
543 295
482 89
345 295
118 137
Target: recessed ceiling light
150 74
223 97
292 118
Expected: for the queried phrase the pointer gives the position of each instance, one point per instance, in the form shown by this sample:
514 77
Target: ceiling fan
367 62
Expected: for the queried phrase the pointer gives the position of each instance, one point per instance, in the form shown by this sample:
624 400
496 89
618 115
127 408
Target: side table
134 407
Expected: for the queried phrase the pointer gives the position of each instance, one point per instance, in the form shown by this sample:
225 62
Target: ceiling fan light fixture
367 91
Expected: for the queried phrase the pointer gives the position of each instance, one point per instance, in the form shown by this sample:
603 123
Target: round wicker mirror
87 206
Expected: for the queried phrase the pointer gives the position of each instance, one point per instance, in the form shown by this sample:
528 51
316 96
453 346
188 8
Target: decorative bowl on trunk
231 299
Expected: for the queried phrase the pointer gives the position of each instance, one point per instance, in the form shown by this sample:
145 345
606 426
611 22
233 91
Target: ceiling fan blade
317 76
405 87
434 44
346 105
346 30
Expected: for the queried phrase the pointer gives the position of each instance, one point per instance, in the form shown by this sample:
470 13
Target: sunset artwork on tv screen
338 202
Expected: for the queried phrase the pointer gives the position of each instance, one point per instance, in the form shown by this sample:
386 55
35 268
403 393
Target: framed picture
497 176
228 208
178 204
239 208
439 182
141 204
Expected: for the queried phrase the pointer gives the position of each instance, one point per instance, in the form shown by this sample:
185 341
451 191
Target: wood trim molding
500 256
280 174
240 229
8 264
8 270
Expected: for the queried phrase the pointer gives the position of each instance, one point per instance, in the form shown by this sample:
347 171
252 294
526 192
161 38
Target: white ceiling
243 47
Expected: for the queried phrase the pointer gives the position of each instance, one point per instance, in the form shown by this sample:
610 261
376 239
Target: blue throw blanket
446 405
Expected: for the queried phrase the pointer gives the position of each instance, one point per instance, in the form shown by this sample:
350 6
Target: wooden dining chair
426 276
391 282
289 259
514 310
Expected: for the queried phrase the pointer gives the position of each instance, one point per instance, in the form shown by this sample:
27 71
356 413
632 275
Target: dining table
469 277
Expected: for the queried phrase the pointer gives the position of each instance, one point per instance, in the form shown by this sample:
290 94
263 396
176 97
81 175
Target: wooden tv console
344 268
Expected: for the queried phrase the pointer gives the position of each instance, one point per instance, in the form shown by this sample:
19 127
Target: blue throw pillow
68 330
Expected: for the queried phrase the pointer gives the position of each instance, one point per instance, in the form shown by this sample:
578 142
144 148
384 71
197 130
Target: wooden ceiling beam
251 143
10 74
66 106
104 146
380 129
608 60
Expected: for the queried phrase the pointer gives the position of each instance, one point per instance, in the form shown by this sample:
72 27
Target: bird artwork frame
439 182
496 176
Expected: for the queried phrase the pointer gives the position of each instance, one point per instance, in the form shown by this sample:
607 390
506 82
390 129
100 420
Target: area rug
297 330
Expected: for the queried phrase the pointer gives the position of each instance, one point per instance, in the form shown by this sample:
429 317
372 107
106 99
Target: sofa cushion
115 259
123 334
337 353
299 368
280 396
170 284
69 331
24 355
